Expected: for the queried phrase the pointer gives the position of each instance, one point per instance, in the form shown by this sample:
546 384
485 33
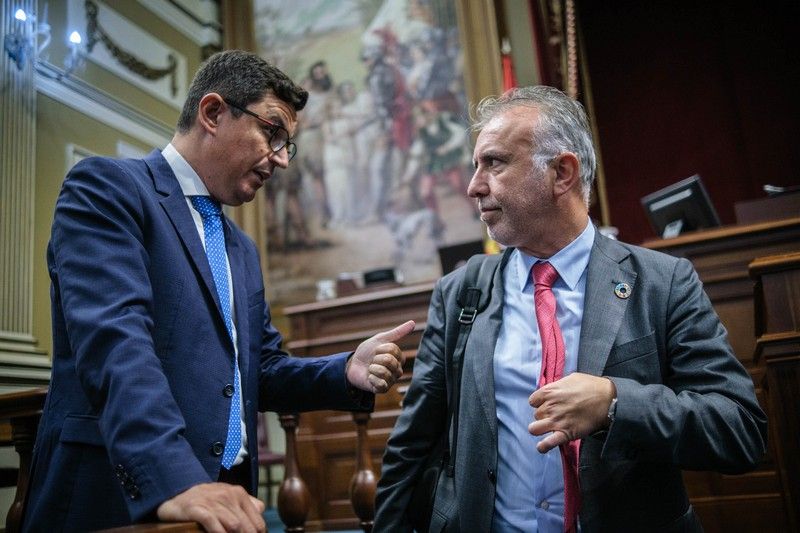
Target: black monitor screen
681 207
456 255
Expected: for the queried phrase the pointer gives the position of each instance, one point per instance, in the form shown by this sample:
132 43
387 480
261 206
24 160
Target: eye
491 161
269 130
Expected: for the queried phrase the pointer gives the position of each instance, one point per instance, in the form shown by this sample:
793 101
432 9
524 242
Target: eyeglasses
277 134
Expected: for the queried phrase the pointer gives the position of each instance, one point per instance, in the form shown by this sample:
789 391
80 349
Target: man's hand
572 407
378 362
218 507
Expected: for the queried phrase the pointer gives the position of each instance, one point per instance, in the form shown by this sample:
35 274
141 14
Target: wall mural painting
384 153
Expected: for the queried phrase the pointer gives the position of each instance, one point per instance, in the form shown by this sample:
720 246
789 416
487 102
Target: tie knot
544 274
206 206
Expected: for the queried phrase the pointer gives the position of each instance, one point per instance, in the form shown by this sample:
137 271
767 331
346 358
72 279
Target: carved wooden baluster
294 500
363 484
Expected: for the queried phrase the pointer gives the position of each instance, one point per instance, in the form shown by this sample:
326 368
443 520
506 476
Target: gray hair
562 126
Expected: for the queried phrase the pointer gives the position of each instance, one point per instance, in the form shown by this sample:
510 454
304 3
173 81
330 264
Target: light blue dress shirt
530 485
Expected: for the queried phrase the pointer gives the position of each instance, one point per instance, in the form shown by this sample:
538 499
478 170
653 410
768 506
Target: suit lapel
240 303
479 352
603 310
176 208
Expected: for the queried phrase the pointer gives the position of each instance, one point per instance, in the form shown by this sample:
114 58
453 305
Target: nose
477 185
280 158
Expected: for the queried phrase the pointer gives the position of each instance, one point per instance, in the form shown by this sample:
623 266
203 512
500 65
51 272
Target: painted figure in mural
164 349
319 85
340 166
437 156
393 108
407 218
287 228
365 138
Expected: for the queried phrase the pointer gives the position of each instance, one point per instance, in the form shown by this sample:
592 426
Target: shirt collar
190 182
569 262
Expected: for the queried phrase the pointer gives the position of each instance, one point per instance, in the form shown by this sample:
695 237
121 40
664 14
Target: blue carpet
274 524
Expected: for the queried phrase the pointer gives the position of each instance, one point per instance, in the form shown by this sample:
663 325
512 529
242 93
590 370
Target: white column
20 361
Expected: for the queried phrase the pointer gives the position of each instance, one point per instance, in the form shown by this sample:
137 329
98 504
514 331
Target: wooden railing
19 419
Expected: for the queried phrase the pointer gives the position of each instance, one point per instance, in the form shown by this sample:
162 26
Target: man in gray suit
638 380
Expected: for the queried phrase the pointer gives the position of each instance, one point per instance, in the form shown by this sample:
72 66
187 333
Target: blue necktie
211 214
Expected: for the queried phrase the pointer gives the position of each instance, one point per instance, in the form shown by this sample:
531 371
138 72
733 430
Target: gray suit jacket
684 401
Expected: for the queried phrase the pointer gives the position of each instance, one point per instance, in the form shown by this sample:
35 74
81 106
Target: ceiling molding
101 106
201 33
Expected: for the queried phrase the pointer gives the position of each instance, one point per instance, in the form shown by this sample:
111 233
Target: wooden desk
778 349
722 257
326 440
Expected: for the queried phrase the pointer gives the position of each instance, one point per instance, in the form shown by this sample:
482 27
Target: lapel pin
622 290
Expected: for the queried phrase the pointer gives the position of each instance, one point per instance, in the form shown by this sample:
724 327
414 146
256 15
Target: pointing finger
397 333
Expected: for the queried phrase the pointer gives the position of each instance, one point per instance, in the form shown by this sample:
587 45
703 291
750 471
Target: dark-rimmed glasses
277 135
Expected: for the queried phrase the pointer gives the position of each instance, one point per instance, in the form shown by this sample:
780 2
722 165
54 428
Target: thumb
397 333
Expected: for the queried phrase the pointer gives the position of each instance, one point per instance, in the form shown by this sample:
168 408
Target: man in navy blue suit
163 346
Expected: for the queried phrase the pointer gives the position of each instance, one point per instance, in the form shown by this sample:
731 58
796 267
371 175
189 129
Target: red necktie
544 275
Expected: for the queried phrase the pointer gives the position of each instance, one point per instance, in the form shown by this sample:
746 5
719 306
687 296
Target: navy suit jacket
136 411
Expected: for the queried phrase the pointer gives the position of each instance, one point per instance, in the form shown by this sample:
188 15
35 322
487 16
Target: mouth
263 175
488 208
489 213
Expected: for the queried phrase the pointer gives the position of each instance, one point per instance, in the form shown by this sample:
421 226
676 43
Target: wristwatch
612 410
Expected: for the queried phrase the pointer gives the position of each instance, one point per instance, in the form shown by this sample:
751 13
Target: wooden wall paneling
722 257
778 349
326 440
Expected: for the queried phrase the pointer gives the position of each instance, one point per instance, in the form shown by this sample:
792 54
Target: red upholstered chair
266 457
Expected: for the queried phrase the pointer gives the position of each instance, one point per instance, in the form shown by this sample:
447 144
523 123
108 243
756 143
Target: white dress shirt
192 185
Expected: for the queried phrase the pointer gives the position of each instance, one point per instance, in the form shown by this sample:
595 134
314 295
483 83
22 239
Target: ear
568 174
209 110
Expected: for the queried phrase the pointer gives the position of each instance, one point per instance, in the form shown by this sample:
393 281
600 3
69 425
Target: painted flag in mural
509 78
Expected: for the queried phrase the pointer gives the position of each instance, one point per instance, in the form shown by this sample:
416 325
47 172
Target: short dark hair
241 77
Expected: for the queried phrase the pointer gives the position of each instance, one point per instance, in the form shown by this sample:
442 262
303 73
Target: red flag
509 78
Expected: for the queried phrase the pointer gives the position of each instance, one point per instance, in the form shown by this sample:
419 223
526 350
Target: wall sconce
76 56
22 42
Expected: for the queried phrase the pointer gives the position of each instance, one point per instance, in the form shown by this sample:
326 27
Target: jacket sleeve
420 426
298 384
100 277
704 416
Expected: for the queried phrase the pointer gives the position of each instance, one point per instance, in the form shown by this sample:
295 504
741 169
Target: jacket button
491 475
217 449
228 390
